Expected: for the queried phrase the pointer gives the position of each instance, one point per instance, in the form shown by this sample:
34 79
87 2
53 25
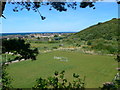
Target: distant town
35 35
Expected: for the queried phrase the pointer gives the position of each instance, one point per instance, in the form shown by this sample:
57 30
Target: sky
70 21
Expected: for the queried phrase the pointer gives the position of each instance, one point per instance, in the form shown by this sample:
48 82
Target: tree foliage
59 81
19 46
36 4
6 79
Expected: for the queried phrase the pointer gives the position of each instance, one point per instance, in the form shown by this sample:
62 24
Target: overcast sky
70 21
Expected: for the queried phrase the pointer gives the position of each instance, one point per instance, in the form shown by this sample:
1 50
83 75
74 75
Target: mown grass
97 69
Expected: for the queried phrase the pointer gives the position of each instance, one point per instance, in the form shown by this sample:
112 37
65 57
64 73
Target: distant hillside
101 37
107 30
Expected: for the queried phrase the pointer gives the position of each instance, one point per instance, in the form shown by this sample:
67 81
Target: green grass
42 45
49 46
97 69
6 57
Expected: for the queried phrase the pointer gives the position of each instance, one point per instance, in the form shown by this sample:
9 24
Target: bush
45 47
108 86
78 45
6 79
100 46
84 47
54 47
89 43
111 49
59 81
55 35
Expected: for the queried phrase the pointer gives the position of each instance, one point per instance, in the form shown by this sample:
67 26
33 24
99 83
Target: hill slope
107 30
99 37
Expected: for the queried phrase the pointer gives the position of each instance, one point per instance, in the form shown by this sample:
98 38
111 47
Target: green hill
99 37
107 30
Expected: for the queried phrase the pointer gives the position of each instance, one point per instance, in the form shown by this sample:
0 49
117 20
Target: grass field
6 57
97 69
49 46
41 46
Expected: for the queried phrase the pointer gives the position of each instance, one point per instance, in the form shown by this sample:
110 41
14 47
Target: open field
97 69
49 46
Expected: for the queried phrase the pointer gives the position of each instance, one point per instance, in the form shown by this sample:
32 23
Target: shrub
6 79
89 43
55 35
45 47
111 49
54 47
108 86
59 81
84 47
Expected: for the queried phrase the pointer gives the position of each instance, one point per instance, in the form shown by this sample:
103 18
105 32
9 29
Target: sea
27 33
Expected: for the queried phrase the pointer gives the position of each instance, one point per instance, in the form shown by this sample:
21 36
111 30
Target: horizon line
38 32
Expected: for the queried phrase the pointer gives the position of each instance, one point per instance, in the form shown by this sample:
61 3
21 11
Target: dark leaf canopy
59 6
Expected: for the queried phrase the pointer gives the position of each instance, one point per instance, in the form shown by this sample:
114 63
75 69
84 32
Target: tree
38 38
36 4
19 46
55 35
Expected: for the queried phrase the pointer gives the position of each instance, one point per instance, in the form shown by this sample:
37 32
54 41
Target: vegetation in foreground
59 81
